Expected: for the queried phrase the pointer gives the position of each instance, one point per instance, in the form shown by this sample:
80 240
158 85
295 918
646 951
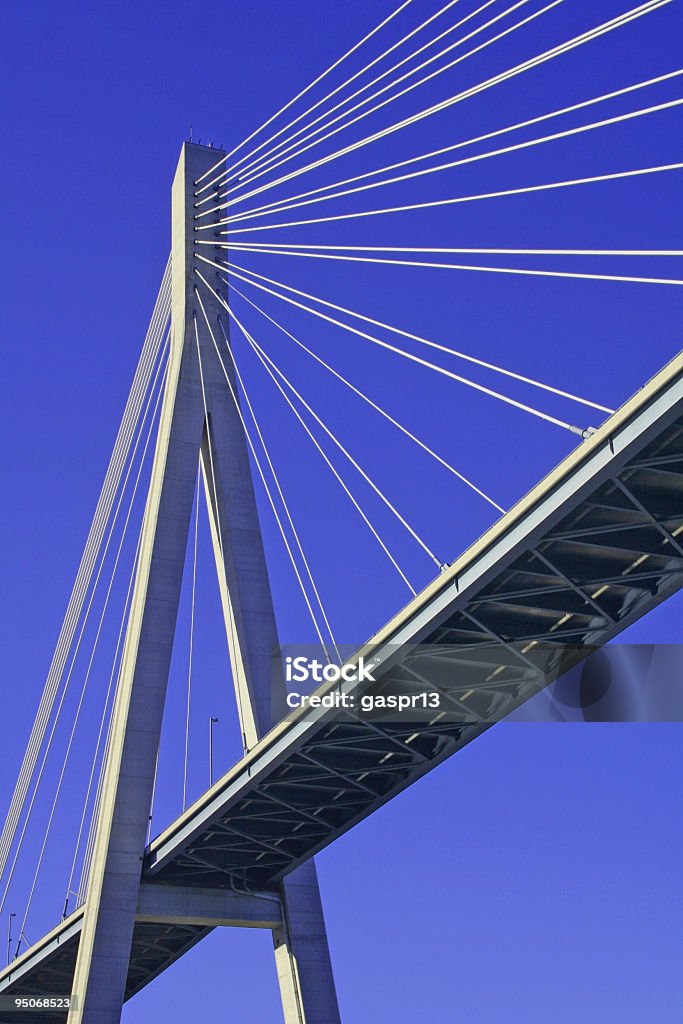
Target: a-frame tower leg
198 416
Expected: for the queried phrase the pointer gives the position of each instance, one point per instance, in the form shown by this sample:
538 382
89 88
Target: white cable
218 526
98 632
370 402
60 704
456 200
268 165
481 269
423 341
280 492
263 478
71 621
327 460
277 246
112 676
416 359
265 158
50 738
298 96
517 147
92 831
333 437
189 670
68 677
94 821
86 566
103 719
425 547
260 171
262 162
518 69
460 145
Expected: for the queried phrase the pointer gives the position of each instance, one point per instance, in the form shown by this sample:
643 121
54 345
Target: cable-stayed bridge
614 509
593 547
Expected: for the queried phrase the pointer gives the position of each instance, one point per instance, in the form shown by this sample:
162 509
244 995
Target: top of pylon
203 145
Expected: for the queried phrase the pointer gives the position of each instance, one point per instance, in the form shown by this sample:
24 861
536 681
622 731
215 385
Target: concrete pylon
198 420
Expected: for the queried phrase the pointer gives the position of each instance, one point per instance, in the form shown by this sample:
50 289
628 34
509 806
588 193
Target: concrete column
301 951
185 431
302 955
104 948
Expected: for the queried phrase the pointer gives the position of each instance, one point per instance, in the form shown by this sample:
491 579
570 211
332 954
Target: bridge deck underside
610 552
605 564
155 947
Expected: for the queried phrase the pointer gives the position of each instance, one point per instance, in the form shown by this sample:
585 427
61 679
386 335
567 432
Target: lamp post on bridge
9 937
212 722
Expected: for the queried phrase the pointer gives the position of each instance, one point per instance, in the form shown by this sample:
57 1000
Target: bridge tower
199 424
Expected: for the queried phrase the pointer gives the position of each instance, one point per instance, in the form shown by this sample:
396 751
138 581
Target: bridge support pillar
302 955
199 419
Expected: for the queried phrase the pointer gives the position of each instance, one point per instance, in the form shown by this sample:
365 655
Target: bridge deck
592 548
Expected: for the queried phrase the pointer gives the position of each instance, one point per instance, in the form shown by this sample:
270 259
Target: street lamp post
9 937
212 722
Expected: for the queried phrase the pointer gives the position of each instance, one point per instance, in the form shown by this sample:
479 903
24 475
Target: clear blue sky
536 876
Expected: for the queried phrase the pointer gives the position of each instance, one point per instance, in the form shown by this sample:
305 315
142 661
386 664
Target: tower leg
198 416
302 955
104 948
